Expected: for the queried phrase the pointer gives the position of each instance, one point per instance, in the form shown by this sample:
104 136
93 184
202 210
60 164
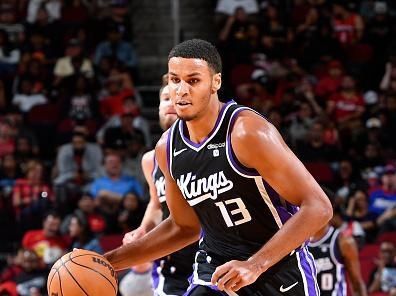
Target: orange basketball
82 273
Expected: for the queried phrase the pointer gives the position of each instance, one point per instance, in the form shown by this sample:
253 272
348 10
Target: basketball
84 273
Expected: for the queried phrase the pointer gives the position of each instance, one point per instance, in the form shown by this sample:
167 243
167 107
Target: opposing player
228 172
170 273
336 256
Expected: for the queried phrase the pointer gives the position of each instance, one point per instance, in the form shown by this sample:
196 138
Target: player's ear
216 82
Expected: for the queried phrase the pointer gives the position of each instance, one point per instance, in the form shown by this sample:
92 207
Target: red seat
321 171
387 237
240 74
367 256
110 242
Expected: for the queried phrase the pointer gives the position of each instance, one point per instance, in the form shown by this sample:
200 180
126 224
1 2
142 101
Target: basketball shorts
168 282
295 275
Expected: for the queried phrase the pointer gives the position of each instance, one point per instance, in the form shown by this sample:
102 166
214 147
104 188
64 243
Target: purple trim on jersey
198 145
340 290
168 152
155 167
308 273
155 275
192 287
233 159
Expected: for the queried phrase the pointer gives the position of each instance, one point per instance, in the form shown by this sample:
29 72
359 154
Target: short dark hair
198 49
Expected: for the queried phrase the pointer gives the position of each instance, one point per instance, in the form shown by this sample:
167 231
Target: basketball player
334 254
170 273
229 173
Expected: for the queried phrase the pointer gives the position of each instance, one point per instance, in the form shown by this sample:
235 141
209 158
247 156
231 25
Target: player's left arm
257 144
349 252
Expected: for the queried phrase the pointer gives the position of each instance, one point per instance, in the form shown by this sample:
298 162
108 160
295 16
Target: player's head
167 113
194 68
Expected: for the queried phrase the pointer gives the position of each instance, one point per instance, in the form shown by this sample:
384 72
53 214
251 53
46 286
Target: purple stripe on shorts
155 275
308 273
192 287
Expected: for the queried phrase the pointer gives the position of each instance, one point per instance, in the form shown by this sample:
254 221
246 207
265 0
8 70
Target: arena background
79 85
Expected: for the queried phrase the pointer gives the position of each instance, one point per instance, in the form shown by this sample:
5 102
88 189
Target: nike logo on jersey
283 290
176 153
196 191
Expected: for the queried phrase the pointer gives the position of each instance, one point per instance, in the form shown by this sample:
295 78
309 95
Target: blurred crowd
72 134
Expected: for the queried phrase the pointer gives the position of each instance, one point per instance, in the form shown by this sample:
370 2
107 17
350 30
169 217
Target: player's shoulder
148 156
249 124
162 142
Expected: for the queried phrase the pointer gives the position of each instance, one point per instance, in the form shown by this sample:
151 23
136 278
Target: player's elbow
325 210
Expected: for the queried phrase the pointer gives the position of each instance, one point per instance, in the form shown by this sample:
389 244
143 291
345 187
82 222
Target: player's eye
193 81
175 80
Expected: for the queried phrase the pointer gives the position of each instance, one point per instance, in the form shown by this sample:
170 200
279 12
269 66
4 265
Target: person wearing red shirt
46 242
347 105
330 83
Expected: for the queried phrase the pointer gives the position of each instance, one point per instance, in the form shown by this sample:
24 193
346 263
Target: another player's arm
257 144
349 251
179 230
153 215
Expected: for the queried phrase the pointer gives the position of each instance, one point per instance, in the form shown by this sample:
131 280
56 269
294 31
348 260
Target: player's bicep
260 146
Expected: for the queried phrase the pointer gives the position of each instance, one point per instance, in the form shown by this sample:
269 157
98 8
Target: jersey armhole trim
231 157
169 148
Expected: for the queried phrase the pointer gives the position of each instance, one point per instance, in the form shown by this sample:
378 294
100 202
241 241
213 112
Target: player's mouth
183 104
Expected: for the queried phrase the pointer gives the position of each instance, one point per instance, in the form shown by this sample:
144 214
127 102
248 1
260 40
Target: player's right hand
133 235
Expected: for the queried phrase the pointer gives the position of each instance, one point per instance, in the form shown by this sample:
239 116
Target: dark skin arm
349 251
179 230
257 144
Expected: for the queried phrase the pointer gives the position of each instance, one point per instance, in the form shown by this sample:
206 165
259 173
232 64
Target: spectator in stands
110 190
26 99
46 242
347 180
9 172
77 163
31 196
314 148
131 214
130 110
276 35
74 13
14 267
24 151
347 105
115 47
300 123
82 236
330 82
7 138
117 137
73 63
33 276
9 55
52 7
383 278
86 208
119 18
348 26
384 198
358 210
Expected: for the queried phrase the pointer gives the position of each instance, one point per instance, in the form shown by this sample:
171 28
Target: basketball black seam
115 290
64 262
52 278
60 283
74 278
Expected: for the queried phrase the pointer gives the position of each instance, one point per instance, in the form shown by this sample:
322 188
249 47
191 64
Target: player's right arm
153 215
350 253
179 230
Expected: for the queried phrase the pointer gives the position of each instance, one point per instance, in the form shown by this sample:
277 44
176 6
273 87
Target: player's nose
182 89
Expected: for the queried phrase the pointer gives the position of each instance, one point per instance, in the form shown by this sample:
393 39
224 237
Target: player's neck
200 128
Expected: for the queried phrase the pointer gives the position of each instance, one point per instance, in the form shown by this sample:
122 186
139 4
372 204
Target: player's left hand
235 274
